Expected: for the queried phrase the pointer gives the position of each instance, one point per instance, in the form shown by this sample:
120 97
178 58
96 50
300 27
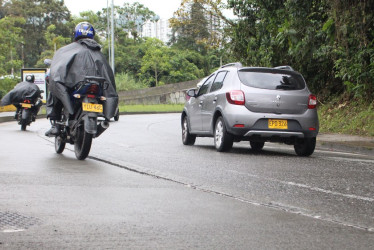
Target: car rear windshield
272 80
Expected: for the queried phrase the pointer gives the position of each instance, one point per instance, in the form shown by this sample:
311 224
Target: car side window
205 87
218 82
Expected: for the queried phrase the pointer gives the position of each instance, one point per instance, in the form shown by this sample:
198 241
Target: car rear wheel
223 141
187 138
305 147
256 146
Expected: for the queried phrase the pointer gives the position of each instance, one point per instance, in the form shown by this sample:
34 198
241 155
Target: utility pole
113 36
11 59
23 57
108 32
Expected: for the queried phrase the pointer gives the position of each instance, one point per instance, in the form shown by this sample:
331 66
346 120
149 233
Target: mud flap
90 123
26 115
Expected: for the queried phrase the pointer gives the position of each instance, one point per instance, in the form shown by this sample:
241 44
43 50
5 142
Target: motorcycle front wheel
82 144
59 145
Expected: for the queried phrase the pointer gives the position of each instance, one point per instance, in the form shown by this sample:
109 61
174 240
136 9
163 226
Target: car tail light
235 97
312 102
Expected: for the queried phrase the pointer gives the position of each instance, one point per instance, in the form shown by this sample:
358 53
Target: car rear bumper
256 124
274 134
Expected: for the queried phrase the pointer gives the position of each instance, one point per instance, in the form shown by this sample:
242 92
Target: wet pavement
147 191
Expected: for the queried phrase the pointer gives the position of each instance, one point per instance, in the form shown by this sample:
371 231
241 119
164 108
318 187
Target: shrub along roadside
347 117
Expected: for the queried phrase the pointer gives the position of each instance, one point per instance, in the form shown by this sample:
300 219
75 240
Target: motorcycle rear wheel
23 124
82 144
59 145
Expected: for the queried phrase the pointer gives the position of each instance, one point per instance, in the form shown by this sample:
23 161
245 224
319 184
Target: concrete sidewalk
342 142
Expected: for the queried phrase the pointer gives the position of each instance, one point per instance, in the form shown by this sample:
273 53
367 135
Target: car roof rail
286 67
236 64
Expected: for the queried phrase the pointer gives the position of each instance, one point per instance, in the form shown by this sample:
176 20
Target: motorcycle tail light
91 96
93 89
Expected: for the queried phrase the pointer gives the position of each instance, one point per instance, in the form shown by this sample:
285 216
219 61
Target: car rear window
272 80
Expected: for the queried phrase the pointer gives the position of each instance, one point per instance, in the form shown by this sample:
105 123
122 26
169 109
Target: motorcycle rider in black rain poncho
69 66
25 89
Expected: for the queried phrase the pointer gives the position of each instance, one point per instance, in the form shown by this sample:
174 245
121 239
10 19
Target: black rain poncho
21 91
75 61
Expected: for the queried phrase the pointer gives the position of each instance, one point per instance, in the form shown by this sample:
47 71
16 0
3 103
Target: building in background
159 30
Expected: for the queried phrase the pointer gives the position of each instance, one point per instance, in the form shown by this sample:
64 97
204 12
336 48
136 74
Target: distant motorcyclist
23 90
69 66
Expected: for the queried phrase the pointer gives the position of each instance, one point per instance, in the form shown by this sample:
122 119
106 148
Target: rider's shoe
54 131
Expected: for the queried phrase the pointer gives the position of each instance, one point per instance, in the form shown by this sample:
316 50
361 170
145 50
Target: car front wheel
223 141
187 138
305 147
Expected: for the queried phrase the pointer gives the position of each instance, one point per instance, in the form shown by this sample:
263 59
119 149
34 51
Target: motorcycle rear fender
26 114
90 123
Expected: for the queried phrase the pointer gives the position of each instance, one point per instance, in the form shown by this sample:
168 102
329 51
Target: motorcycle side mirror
42 91
47 62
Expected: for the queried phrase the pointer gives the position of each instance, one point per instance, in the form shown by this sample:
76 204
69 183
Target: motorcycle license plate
91 107
25 105
278 124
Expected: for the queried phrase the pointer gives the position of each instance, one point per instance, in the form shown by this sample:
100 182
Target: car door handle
215 99
201 103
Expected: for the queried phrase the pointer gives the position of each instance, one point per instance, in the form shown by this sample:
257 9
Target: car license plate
91 107
25 105
278 124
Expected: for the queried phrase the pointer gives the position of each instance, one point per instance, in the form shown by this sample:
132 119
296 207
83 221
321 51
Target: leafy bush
125 81
7 83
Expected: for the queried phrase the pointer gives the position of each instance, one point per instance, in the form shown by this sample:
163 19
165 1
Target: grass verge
347 117
151 108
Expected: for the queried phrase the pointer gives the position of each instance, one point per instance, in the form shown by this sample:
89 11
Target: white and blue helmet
84 30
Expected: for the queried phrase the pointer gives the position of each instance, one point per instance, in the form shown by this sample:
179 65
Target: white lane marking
350 159
13 230
319 151
321 190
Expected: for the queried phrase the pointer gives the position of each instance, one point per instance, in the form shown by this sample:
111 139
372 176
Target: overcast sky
163 8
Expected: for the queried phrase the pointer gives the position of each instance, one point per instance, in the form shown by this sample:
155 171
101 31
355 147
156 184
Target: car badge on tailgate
278 101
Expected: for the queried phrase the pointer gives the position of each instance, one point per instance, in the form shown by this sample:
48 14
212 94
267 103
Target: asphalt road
141 188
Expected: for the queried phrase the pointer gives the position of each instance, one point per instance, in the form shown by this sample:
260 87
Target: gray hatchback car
253 104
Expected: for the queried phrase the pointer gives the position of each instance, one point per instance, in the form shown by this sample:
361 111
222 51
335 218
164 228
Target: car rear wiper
286 87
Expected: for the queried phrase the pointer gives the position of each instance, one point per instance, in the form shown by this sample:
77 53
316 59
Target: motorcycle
80 128
27 111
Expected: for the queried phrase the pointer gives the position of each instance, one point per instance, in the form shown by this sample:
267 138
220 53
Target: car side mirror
191 92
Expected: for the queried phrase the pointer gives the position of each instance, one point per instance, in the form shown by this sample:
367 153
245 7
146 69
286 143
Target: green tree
38 15
190 29
133 17
10 39
329 41
155 61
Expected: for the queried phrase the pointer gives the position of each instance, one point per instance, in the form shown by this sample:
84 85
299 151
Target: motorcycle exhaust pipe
101 128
